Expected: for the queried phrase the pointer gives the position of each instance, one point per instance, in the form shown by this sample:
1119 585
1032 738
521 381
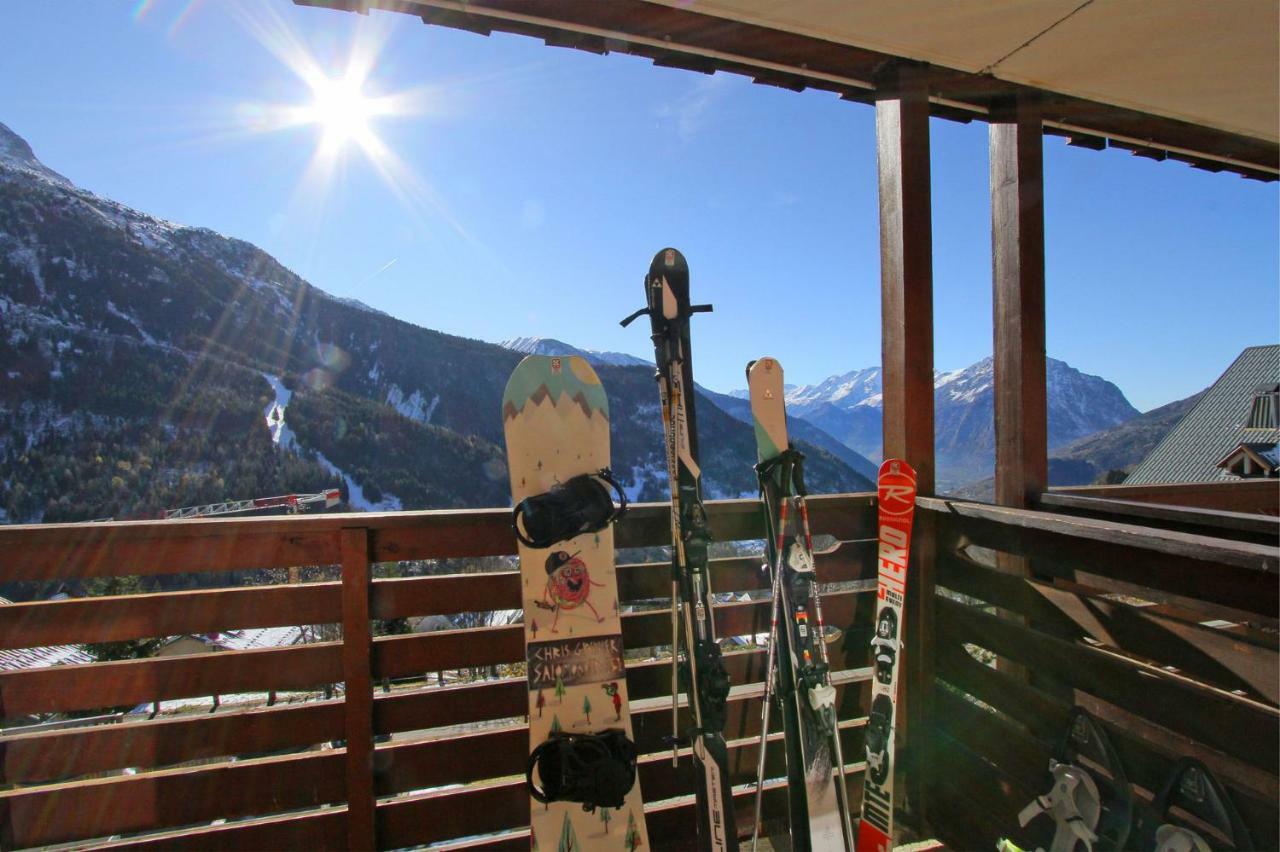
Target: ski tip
669 260
764 363
897 468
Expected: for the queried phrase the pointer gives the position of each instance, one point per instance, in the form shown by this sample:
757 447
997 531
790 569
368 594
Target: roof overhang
1180 79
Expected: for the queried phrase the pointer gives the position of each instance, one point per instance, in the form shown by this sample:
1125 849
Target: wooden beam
357 647
906 268
1017 250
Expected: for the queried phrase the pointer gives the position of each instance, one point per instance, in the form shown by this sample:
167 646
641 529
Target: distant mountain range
851 408
148 365
1110 453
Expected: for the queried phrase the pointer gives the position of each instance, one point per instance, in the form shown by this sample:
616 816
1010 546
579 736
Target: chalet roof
1180 79
1215 426
34 658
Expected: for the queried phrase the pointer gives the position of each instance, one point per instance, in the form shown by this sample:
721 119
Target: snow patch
129 318
413 406
355 494
25 257
281 434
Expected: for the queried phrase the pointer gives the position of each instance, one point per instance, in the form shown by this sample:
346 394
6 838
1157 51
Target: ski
582 757
797 673
696 661
896 499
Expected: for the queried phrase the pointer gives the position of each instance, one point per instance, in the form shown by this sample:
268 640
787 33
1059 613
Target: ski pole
841 791
770 660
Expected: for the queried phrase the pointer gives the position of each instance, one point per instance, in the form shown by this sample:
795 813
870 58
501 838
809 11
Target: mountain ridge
849 406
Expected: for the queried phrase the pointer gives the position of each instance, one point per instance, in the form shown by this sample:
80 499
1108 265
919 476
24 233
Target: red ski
896 498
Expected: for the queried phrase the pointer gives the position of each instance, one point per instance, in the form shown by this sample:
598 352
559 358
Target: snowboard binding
1089 801
885 645
596 770
581 505
879 723
1193 789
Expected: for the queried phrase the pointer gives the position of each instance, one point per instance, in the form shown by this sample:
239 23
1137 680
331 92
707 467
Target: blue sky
534 184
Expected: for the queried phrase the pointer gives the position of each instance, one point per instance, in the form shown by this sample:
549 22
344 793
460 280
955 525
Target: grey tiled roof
1215 426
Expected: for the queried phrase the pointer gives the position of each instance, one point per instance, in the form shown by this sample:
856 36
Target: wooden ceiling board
1214 64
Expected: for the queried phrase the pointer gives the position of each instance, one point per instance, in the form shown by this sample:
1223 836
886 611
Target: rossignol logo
897 493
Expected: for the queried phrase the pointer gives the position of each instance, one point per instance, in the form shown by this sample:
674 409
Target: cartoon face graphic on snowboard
568 586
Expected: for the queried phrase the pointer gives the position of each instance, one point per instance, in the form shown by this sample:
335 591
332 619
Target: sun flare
345 102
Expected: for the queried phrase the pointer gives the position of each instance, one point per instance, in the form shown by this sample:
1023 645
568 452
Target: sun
342 110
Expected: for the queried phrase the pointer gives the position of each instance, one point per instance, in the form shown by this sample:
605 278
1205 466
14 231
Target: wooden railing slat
40 758
1072 614
1222 524
1204 549
310 830
131 682
1144 690
116 618
1216 576
67 812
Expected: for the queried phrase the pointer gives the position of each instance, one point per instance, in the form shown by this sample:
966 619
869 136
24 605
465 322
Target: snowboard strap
1074 804
581 505
1176 838
597 770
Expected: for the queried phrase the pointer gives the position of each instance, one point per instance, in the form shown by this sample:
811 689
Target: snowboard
896 502
798 657
556 422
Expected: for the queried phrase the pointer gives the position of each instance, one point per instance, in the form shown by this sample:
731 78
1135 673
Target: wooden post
1017 254
906 293
906 269
357 647
1017 250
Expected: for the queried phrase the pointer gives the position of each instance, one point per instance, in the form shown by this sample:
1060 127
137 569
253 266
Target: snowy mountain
16 155
147 365
551 346
850 407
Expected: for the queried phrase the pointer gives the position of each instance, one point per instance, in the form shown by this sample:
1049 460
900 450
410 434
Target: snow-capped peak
551 346
849 389
17 154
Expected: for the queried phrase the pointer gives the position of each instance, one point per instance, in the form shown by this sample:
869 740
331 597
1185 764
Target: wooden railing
1113 618
1168 637
309 773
